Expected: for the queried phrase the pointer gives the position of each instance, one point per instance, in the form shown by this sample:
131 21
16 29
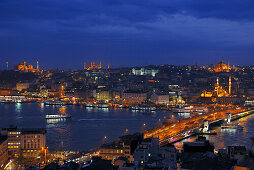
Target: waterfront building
158 98
8 92
134 96
12 99
22 86
25 142
3 151
103 95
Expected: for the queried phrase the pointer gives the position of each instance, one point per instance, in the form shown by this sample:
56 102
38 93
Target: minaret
37 63
7 65
84 65
25 66
229 85
100 65
228 65
108 66
217 86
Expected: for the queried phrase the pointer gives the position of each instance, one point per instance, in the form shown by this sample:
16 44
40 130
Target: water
87 127
225 138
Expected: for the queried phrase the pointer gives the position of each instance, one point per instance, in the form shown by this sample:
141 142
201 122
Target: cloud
130 28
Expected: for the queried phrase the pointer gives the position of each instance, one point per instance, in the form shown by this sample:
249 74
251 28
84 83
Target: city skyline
64 34
6 65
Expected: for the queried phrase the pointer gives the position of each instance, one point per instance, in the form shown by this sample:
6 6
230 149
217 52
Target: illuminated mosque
23 66
218 90
221 66
93 66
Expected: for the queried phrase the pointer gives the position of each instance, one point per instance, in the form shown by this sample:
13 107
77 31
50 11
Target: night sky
65 33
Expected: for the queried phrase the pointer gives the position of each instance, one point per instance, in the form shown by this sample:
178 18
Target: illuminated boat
144 108
190 109
57 116
231 126
54 103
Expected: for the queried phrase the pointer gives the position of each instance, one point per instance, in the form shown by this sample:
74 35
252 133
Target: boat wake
104 119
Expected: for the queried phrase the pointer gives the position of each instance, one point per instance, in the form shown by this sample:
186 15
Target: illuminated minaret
7 65
37 63
108 66
84 65
100 65
25 66
217 86
229 85
228 65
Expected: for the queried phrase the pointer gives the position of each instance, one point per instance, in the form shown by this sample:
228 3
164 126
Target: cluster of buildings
162 85
26 144
132 152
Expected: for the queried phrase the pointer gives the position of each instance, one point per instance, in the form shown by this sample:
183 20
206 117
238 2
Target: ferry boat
57 116
99 105
145 108
54 103
231 126
190 109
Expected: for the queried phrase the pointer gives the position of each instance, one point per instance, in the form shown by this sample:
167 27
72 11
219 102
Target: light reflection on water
75 133
18 107
225 138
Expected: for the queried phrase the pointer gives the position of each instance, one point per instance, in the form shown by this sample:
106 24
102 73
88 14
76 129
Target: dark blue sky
64 33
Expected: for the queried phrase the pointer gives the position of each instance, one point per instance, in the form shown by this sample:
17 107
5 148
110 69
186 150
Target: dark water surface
87 127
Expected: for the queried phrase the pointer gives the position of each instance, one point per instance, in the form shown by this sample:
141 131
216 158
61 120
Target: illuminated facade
144 71
22 86
92 66
23 66
221 66
27 142
160 98
112 151
218 90
134 97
